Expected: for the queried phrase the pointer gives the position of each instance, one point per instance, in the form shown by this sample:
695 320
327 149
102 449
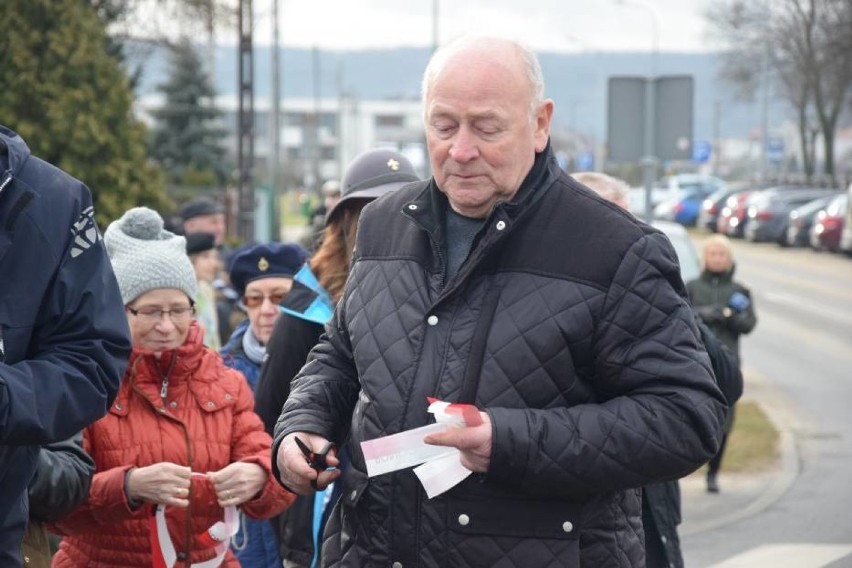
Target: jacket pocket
514 532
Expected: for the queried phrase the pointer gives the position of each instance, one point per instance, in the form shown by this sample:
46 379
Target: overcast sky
546 25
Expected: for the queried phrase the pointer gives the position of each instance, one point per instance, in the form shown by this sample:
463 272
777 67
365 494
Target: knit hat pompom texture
147 257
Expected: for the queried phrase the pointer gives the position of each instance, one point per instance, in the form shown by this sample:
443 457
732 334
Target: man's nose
464 146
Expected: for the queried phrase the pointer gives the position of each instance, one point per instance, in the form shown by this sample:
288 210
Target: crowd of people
166 400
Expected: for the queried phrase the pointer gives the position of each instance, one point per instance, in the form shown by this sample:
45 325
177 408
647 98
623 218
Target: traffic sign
701 150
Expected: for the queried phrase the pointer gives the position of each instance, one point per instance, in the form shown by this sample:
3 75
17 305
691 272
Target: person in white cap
181 438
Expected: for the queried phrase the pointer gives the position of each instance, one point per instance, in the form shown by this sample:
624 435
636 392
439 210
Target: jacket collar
428 208
189 371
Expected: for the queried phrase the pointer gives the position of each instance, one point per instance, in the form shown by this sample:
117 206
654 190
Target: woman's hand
161 483
237 483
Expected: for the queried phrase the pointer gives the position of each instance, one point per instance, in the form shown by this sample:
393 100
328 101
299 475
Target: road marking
836 313
788 556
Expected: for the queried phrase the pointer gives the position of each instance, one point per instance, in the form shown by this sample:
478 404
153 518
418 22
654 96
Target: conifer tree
70 100
187 139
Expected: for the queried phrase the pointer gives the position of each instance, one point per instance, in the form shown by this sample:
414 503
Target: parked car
713 205
733 215
828 226
670 186
683 208
846 235
801 219
768 212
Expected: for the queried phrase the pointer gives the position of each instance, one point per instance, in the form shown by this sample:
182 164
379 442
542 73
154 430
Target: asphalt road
802 349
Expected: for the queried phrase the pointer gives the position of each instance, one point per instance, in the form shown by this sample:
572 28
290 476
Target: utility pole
245 125
316 154
275 158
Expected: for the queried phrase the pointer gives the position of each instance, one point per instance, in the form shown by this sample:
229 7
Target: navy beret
265 261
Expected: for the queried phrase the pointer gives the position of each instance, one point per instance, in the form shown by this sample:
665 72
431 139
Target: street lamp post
649 160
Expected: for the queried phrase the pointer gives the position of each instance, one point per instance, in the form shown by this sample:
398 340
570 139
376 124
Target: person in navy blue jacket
64 340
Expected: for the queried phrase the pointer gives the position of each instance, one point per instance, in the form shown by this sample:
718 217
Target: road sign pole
649 161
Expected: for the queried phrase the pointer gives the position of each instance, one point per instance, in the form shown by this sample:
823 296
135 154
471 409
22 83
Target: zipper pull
2 347
164 391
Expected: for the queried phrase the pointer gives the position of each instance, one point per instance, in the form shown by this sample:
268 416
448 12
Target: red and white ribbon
217 537
439 467
453 413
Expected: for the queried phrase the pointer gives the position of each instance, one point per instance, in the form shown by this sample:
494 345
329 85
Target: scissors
316 460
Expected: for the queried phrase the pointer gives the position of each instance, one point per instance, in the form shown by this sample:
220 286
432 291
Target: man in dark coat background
64 340
503 283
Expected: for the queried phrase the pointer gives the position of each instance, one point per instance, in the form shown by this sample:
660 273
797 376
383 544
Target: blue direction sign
775 148
701 150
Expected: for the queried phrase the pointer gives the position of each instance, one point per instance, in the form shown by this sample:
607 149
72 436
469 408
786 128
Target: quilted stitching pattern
572 376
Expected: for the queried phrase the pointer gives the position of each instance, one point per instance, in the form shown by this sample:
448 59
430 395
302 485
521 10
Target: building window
389 120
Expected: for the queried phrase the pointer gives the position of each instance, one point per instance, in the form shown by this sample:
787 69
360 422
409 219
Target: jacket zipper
6 180
2 347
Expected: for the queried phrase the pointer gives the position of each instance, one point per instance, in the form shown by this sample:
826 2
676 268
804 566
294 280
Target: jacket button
432 320
567 526
353 494
397 565
181 555
118 407
228 396
210 404
501 225
663 539
172 404
412 207
464 520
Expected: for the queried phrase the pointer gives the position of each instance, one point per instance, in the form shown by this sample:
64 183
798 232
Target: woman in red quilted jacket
181 435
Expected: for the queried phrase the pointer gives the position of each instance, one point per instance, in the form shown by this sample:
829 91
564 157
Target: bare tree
804 44
168 22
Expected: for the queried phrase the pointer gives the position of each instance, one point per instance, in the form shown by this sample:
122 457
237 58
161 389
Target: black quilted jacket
567 324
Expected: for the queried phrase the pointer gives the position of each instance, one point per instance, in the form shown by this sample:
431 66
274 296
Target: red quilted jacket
207 423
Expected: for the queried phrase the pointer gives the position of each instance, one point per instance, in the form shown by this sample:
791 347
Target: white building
319 138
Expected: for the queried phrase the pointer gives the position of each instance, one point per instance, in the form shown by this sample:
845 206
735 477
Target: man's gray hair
529 60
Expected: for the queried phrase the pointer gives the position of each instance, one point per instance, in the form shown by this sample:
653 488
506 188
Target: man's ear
542 124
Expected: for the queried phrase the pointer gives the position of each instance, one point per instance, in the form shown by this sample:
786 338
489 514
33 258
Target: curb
773 485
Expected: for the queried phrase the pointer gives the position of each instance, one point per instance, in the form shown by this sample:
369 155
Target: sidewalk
744 494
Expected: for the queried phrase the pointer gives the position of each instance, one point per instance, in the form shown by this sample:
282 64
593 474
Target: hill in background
577 82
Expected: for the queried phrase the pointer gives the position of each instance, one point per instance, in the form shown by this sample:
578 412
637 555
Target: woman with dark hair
306 309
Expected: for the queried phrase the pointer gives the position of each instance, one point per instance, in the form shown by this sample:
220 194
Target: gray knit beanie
146 257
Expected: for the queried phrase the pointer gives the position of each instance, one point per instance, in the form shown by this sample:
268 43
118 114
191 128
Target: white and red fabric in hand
217 537
441 467
453 413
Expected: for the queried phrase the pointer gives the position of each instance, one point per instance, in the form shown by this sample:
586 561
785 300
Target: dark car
712 206
801 219
768 211
828 226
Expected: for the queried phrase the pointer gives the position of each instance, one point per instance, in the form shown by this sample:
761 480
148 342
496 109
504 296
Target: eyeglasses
255 300
181 314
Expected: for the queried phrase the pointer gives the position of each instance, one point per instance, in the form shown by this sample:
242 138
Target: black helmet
372 174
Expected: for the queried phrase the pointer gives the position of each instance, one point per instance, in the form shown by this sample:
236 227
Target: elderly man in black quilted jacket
503 283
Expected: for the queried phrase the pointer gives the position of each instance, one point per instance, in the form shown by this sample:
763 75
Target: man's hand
237 483
296 474
161 483
474 443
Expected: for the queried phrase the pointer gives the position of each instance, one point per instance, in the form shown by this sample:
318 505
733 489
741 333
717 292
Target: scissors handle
317 460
